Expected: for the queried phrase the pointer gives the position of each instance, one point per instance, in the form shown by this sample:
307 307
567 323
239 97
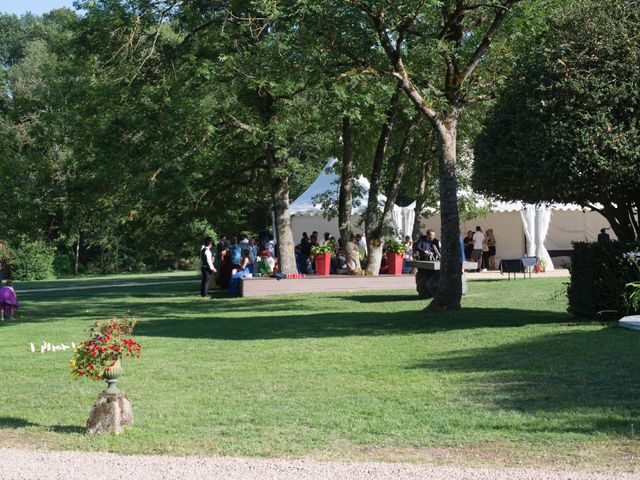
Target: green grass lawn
510 379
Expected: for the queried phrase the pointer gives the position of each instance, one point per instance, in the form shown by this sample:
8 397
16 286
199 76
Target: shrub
131 264
321 249
61 265
32 261
599 274
393 246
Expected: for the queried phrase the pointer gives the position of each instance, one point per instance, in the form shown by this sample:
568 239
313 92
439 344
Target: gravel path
17 464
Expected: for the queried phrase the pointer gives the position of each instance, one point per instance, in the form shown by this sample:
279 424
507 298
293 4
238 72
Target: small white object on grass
48 347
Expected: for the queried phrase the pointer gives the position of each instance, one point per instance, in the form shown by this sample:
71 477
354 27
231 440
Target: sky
38 7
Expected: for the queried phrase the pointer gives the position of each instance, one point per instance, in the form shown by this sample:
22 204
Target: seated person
245 262
384 266
428 246
263 267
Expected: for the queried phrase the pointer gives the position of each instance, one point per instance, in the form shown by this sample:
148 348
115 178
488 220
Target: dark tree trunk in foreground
450 287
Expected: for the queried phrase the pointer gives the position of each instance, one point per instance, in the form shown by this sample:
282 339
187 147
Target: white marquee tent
523 229
520 229
307 214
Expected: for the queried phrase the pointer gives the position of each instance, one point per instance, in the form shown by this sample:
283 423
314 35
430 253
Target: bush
131 264
599 273
393 246
62 265
32 261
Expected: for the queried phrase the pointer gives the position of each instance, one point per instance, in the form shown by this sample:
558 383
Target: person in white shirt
478 240
206 266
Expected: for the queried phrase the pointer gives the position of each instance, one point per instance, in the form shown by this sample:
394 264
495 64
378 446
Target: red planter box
323 264
394 260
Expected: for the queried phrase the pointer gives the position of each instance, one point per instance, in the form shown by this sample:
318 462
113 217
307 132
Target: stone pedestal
112 413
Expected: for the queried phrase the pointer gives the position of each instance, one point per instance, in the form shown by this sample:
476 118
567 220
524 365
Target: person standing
468 245
305 250
206 267
478 241
222 244
271 246
603 236
491 243
236 253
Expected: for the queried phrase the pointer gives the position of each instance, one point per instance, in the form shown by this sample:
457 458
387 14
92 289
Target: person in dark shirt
428 246
603 236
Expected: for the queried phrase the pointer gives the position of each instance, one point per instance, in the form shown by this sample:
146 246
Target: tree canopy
566 126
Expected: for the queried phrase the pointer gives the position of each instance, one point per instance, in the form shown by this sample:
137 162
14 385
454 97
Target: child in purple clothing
8 301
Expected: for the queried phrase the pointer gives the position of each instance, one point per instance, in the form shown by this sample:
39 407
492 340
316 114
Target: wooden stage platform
262 287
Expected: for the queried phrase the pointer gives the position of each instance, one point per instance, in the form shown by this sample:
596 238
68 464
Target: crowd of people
478 246
238 256
235 257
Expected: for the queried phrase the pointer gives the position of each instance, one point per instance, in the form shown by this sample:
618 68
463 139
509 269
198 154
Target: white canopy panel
307 214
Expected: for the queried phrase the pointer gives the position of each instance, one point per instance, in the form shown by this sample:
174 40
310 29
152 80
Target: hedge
599 274
32 261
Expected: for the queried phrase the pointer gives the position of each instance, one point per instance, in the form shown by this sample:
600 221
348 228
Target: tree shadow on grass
15 423
156 306
341 324
594 375
382 297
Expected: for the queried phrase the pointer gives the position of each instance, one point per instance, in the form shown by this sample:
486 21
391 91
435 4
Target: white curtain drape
528 214
408 218
543 218
396 220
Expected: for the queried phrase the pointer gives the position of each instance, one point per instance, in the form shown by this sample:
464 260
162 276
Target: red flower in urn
107 344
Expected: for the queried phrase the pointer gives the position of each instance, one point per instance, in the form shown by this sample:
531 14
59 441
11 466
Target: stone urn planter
100 358
111 375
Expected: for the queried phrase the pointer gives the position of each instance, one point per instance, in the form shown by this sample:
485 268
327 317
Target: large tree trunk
345 202
450 287
373 232
280 192
279 189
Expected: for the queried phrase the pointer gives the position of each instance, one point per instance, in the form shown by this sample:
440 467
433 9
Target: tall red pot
394 260
323 263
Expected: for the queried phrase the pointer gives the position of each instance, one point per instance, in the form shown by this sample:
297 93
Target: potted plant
395 253
100 357
322 255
